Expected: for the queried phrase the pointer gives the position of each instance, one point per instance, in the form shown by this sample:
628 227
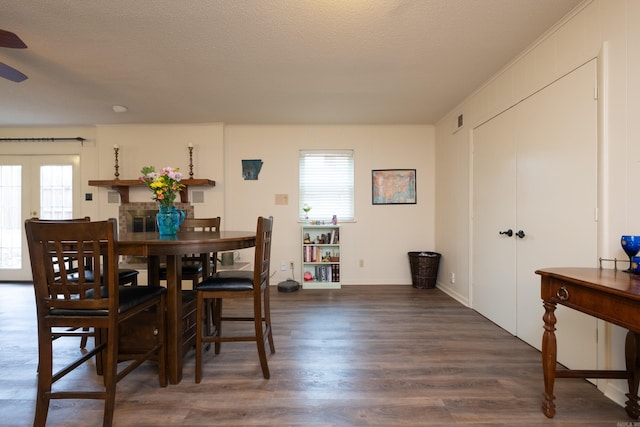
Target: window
326 184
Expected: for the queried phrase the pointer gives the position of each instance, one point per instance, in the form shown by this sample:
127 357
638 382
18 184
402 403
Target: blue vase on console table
169 219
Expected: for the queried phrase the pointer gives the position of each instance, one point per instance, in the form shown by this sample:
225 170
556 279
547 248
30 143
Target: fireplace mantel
122 186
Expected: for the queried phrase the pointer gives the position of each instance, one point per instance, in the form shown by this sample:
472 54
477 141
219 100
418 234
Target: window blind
327 184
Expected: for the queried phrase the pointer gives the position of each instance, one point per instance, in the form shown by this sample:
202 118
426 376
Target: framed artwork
393 186
251 169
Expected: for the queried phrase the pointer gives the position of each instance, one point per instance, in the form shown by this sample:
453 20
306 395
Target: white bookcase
320 256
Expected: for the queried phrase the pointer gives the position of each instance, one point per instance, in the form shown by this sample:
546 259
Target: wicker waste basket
424 269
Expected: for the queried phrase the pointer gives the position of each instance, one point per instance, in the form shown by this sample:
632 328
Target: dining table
171 249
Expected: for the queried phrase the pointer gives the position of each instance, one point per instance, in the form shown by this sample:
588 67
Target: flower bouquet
165 186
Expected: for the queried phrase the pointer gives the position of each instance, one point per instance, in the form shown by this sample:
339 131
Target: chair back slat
262 260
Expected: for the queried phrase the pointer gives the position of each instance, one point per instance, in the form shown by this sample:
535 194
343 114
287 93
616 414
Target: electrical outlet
283 266
361 263
452 278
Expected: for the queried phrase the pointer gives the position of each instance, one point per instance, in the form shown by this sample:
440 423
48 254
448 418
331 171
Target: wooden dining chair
255 287
103 305
193 264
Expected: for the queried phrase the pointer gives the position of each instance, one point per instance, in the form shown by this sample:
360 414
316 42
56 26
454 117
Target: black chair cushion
233 283
244 274
88 276
124 275
127 275
130 297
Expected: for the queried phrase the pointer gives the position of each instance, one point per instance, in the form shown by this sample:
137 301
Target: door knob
509 232
520 234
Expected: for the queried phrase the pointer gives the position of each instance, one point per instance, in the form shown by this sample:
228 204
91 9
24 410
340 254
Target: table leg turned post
549 357
632 358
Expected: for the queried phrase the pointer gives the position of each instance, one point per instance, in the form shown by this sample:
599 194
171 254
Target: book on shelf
327 273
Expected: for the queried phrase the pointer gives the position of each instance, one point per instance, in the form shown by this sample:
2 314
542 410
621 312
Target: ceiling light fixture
120 109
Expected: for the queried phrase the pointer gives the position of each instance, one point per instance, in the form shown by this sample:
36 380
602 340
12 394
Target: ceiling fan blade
9 39
11 73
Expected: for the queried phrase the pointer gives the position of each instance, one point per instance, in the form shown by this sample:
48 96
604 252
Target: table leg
632 357
205 259
153 270
174 318
549 358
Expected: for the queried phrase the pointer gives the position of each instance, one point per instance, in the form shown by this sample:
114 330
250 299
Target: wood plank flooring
357 356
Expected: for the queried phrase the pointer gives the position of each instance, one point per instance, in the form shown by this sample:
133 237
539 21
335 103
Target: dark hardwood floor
358 356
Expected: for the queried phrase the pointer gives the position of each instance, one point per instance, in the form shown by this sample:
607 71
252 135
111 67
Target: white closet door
534 169
557 196
494 197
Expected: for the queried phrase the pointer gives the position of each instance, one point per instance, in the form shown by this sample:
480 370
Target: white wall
610 30
381 235
161 146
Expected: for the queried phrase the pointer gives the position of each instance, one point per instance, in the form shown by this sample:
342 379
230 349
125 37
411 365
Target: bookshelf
320 256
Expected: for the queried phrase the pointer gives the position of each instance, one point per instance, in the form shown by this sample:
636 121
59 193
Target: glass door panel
32 186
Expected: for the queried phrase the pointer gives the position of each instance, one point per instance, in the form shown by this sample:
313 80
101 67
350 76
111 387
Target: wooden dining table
172 249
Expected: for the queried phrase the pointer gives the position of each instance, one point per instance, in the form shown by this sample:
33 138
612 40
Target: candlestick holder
115 152
190 161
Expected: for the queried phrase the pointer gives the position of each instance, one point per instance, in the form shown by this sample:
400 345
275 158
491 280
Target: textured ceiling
259 61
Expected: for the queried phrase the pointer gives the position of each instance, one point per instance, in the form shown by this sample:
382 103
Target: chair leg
45 372
267 320
199 310
262 354
83 339
98 338
110 377
217 323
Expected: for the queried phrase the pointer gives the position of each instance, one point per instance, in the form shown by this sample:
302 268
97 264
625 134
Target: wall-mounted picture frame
393 186
251 169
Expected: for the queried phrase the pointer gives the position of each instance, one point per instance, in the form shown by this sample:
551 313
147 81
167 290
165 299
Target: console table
610 295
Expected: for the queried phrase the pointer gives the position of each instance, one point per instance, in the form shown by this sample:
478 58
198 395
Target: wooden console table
122 186
610 295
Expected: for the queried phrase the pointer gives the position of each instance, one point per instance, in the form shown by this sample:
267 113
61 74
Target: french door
32 186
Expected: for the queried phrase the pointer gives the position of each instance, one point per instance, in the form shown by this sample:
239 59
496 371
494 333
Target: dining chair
103 305
255 287
193 264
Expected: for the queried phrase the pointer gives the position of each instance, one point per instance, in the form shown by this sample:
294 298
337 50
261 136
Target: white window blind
326 184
